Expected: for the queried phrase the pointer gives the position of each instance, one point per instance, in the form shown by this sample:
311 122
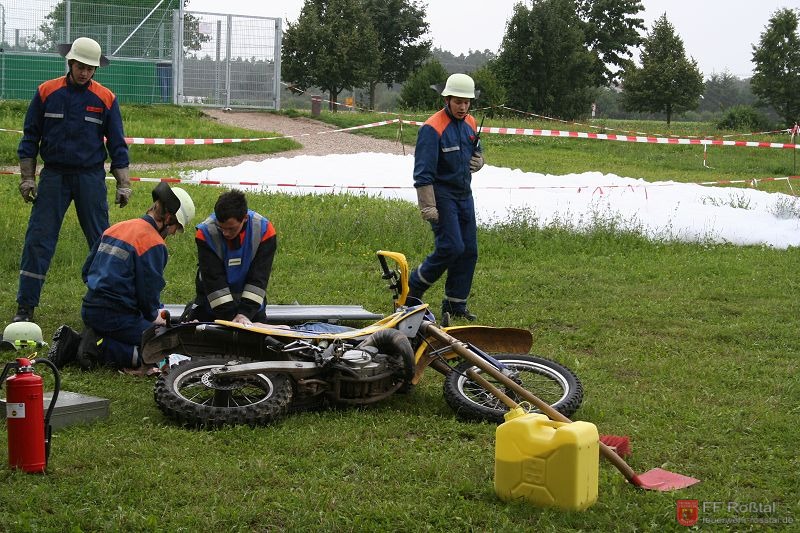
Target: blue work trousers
54 194
455 251
121 333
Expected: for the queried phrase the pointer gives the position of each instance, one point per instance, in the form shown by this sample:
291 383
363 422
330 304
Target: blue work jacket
74 127
444 147
125 269
233 275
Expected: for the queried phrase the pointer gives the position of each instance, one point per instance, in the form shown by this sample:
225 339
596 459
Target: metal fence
237 63
159 53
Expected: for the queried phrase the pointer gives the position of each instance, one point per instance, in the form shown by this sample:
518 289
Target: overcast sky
719 34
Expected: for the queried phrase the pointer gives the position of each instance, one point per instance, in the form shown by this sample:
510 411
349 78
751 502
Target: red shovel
655 479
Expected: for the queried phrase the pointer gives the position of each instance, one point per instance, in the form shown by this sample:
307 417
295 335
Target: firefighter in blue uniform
124 276
446 155
73 123
235 250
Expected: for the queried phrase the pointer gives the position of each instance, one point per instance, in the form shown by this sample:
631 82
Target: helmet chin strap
69 64
163 230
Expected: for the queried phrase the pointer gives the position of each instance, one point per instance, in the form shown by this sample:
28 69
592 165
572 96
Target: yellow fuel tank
547 463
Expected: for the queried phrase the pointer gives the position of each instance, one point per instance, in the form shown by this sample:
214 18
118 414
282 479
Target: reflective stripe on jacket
444 148
125 269
236 281
74 127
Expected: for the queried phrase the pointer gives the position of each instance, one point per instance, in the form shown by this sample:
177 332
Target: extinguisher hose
6 370
56 387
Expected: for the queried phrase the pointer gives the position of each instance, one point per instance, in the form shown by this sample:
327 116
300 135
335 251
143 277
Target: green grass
690 349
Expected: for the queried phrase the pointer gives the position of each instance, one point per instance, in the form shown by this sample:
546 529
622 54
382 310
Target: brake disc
211 380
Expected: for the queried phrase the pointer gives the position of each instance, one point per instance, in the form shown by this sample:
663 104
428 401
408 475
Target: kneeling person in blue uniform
235 250
124 276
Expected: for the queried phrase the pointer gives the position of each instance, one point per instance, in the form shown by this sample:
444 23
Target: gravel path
308 132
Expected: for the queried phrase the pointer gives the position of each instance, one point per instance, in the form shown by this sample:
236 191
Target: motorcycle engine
362 363
367 378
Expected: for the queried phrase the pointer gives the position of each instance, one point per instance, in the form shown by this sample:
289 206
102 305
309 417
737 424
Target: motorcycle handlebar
387 274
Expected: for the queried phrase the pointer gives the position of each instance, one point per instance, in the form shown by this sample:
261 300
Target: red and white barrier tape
545 117
491 129
485 129
624 138
203 181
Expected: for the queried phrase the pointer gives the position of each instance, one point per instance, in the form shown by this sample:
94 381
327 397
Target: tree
418 92
462 63
743 118
667 82
776 75
723 91
333 46
399 25
610 30
544 63
491 92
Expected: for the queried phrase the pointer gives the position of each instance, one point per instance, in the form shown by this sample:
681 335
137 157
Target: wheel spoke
203 389
480 395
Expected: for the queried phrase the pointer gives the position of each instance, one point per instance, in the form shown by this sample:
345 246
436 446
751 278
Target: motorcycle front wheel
195 393
548 380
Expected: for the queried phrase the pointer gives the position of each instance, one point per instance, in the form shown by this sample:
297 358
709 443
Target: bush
743 118
417 92
492 93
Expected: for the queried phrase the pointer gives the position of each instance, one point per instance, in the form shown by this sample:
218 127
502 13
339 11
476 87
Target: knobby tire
192 395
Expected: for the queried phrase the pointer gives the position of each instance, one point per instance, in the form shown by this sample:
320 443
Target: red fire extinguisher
29 428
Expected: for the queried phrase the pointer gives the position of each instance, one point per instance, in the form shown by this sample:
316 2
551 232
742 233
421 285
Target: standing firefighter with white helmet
448 152
124 276
73 124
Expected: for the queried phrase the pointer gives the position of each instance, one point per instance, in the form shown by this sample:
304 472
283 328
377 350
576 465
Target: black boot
88 355
457 312
465 314
64 346
415 292
414 297
24 314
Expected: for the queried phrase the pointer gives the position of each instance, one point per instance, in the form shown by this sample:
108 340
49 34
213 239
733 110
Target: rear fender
488 339
201 339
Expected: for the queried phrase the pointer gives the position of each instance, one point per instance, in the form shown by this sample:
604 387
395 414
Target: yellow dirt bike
256 374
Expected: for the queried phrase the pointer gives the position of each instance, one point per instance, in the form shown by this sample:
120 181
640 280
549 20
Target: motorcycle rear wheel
192 394
548 380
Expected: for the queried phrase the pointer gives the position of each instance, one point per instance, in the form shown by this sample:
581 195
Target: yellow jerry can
547 463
